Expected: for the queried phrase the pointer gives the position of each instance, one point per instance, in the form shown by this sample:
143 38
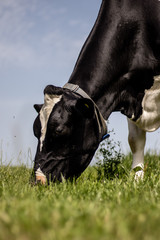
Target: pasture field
92 208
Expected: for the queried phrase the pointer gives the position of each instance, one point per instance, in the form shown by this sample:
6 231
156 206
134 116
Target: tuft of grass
110 158
90 208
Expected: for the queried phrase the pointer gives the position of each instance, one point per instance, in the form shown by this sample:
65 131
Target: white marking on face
49 103
150 118
40 176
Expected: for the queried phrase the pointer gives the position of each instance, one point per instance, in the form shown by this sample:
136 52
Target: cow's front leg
137 140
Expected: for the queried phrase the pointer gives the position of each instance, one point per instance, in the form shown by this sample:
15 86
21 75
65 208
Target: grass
91 208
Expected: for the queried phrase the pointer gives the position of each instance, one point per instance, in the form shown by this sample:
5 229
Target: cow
118 69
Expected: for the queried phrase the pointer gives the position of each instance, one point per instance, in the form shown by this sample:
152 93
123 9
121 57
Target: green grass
93 208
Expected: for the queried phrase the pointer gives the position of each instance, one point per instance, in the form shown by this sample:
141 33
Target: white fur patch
49 102
150 119
39 173
40 176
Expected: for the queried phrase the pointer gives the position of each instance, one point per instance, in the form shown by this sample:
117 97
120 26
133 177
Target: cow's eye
62 130
59 130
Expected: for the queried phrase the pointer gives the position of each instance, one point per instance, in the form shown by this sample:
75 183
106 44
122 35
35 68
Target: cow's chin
56 168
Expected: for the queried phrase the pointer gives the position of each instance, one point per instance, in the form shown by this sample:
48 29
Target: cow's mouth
56 168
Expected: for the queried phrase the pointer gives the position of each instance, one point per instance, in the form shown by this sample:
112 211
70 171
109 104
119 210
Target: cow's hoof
139 173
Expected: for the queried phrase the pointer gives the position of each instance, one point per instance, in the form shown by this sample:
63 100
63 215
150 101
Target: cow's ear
38 107
86 107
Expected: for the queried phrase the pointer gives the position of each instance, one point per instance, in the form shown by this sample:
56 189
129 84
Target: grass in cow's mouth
86 209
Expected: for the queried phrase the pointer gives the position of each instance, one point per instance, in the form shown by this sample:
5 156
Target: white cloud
16 54
22 30
74 22
62 45
31 34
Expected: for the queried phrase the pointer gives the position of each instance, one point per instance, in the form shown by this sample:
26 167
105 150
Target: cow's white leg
137 140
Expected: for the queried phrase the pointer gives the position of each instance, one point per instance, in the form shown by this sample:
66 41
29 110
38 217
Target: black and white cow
118 69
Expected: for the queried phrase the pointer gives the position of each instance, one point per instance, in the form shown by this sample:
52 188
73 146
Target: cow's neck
106 100
93 71
105 66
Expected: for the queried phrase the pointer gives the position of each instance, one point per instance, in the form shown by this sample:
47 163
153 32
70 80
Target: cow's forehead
49 102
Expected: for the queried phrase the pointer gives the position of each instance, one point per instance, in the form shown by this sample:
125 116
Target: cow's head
69 129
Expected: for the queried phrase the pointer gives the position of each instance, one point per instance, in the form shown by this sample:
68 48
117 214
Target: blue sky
39 43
